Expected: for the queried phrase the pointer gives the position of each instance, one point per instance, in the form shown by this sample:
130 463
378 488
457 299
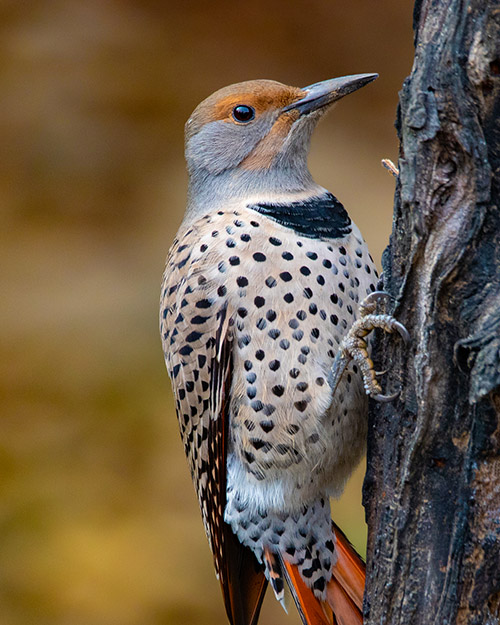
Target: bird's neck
207 192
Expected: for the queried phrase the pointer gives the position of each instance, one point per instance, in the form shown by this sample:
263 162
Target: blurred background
99 522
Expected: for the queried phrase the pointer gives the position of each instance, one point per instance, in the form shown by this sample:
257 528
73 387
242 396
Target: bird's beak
322 94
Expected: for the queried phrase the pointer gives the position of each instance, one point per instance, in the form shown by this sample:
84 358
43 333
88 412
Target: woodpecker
267 298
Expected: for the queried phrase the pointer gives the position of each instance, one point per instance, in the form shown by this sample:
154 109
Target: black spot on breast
287 256
267 426
274 241
242 281
270 315
203 303
259 257
251 392
258 443
285 276
259 301
244 340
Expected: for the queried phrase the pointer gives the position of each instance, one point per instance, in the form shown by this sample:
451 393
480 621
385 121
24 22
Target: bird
268 295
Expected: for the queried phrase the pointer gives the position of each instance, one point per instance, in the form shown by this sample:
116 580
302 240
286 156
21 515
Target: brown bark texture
432 490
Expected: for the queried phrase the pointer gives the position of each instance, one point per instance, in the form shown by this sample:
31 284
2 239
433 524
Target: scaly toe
369 304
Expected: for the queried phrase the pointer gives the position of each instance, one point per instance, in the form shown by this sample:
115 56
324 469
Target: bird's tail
343 604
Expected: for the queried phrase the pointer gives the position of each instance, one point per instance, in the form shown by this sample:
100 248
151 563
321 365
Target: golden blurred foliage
99 522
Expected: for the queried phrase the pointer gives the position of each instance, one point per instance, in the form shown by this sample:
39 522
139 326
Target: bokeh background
99 523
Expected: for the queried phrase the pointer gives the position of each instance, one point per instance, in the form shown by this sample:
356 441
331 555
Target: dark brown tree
432 491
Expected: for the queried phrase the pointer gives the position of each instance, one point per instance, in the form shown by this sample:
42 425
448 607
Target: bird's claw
385 399
354 345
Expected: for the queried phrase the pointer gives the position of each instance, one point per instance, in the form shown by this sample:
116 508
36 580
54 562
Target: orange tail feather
344 593
350 570
311 610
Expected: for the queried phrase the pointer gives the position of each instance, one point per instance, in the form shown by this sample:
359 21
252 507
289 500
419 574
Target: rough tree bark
432 491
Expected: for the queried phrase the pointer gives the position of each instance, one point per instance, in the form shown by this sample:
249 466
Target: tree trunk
432 490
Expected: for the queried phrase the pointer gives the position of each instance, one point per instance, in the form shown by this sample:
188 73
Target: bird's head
254 136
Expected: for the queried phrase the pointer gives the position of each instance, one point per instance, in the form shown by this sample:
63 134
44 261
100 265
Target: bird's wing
196 327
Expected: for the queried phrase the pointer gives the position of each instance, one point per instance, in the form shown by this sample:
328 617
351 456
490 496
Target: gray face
227 162
222 145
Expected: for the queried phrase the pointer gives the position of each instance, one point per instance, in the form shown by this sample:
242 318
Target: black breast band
315 217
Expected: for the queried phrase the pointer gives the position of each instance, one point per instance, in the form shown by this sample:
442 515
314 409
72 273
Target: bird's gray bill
328 91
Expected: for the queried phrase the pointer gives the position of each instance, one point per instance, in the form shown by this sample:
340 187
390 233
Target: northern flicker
264 341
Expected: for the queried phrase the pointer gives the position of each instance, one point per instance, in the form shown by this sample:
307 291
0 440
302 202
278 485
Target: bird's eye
243 113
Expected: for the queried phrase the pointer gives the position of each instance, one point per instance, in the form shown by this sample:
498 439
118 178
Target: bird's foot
354 345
